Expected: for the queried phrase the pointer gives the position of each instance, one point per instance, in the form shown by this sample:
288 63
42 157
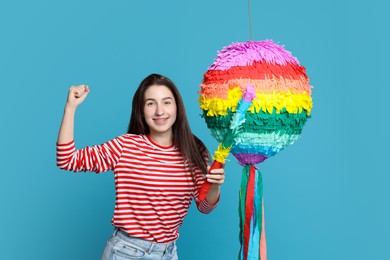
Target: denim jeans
121 246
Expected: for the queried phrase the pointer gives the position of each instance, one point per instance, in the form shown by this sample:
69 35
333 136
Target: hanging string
250 19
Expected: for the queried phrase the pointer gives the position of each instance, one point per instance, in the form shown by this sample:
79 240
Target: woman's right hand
76 95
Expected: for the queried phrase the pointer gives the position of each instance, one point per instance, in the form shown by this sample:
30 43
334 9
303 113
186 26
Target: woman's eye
149 104
167 102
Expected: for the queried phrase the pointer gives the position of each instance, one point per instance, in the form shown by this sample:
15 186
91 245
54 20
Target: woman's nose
159 110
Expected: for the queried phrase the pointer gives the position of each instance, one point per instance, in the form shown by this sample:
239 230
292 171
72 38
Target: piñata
255 99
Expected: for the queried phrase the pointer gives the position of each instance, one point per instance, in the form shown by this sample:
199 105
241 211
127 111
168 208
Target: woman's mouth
160 121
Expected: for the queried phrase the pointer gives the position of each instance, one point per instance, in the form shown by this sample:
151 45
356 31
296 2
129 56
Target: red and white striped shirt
154 184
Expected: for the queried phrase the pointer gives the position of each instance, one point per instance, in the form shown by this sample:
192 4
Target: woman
159 166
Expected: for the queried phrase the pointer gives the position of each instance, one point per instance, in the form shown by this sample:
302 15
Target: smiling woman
160 113
159 167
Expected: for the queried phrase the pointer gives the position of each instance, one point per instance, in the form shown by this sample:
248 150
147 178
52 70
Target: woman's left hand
216 176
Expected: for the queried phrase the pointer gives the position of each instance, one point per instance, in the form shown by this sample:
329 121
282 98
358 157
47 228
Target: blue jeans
121 246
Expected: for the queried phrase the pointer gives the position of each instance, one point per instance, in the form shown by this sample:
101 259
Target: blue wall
325 196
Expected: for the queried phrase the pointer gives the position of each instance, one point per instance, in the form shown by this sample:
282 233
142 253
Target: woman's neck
162 139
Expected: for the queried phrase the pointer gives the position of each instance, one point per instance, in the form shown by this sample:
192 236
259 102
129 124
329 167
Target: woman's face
159 110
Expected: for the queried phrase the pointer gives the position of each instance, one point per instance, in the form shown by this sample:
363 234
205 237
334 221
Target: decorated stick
225 146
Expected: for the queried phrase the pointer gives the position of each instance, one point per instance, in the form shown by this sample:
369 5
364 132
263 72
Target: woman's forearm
213 193
66 133
76 96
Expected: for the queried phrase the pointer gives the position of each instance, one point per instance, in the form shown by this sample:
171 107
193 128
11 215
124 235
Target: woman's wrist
215 187
69 108
213 194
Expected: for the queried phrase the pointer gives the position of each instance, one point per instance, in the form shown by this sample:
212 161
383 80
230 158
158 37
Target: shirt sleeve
203 205
97 158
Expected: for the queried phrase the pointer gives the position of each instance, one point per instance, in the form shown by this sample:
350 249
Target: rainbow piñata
273 119
281 106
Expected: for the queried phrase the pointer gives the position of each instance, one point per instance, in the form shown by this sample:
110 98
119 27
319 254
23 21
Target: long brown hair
191 147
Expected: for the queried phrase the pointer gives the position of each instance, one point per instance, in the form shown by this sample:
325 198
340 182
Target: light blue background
326 197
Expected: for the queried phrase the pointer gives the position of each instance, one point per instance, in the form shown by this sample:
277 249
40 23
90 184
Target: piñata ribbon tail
249 210
243 189
252 236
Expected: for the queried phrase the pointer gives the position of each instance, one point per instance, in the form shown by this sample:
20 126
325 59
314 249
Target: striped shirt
154 184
